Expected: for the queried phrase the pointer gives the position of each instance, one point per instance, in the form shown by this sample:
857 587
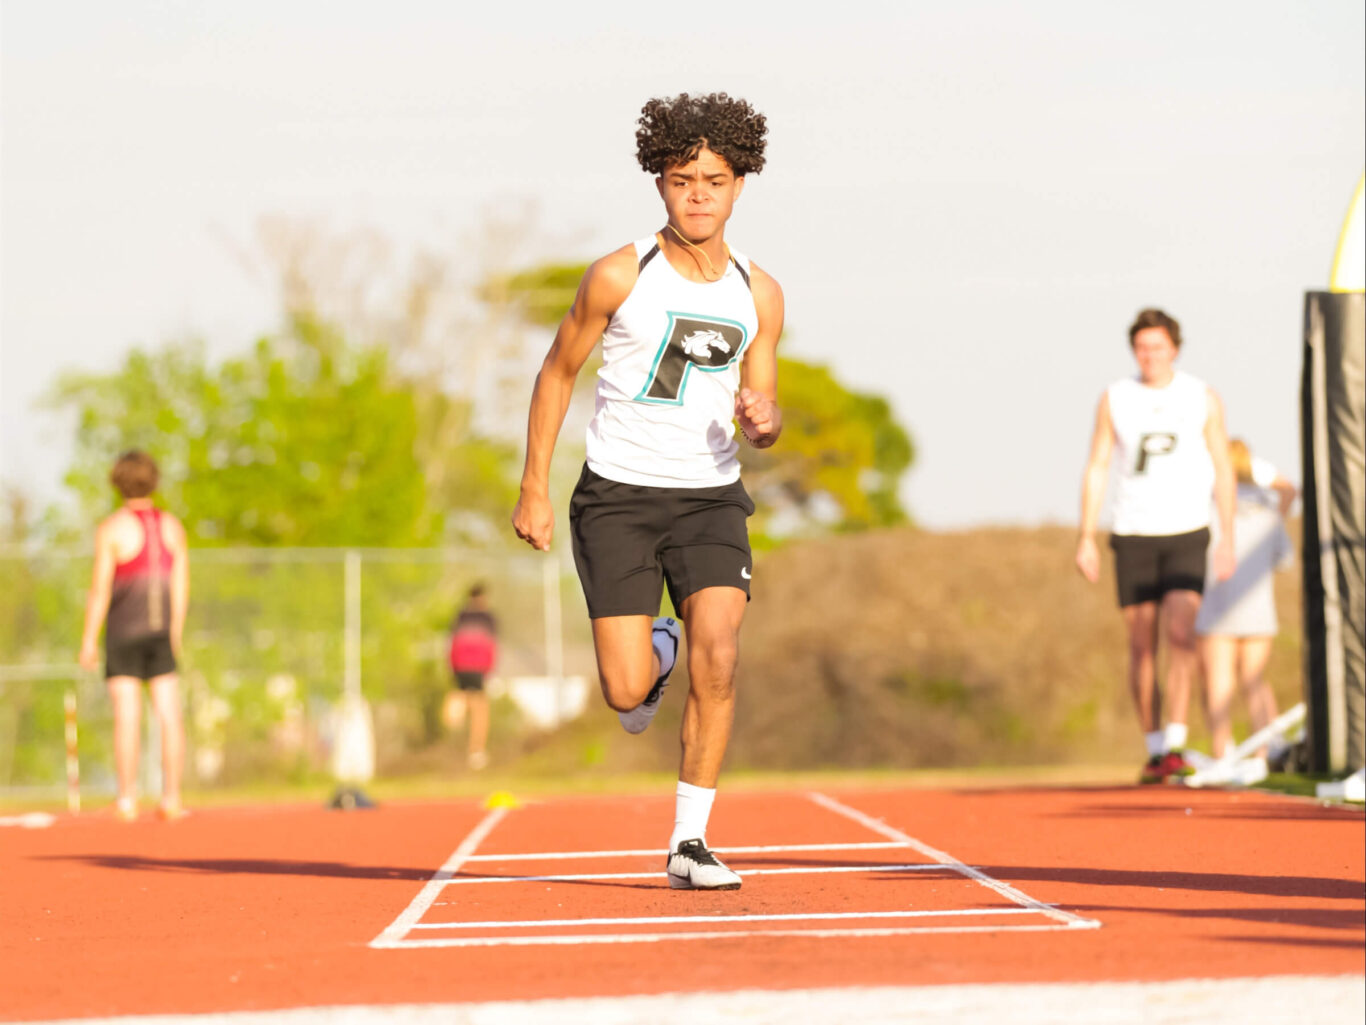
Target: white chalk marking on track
662 937
409 917
653 852
397 933
814 869
810 916
1004 889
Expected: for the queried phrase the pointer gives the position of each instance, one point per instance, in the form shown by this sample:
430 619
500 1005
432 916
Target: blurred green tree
842 456
305 440
839 463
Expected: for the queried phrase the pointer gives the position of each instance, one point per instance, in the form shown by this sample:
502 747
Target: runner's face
699 195
1155 353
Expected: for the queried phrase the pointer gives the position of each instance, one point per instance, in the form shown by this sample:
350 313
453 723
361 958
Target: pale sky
965 202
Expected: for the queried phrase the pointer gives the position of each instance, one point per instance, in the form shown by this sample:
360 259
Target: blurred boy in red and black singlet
139 591
474 651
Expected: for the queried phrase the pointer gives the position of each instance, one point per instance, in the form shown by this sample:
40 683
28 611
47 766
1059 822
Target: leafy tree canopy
541 294
839 461
302 441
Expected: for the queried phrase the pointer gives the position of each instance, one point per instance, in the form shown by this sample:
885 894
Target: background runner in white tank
1167 430
1165 471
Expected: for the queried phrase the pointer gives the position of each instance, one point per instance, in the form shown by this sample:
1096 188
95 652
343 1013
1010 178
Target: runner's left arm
756 407
180 584
1225 487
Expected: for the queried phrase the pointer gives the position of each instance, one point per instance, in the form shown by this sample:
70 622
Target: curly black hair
673 130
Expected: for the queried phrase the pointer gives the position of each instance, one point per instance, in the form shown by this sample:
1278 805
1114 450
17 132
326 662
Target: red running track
260 908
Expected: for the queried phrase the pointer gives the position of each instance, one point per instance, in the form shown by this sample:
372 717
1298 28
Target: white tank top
1165 473
671 368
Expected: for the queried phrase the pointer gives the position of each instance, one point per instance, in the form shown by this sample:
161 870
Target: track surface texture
237 909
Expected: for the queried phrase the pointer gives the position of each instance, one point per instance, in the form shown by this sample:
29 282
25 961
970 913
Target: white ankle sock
1175 736
692 808
1154 742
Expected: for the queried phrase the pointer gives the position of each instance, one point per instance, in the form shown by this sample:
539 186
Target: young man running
689 331
1168 428
141 583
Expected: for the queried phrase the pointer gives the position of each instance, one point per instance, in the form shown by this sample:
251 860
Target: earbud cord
710 266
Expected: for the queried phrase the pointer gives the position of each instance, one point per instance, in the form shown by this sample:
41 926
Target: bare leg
627 663
165 692
453 710
1219 655
712 618
1253 655
126 696
1179 609
1141 622
477 702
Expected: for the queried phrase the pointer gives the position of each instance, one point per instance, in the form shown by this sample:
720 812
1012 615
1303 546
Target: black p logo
705 343
1156 444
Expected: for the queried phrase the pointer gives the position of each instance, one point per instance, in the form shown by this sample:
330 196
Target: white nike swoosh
744 572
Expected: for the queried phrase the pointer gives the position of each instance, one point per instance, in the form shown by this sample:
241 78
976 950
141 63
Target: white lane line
654 852
408 919
812 916
1004 889
577 939
917 867
29 820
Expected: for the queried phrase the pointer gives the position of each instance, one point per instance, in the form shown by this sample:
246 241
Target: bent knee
623 694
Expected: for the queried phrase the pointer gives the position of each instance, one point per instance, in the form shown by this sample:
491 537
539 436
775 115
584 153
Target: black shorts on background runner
1146 568
139 657
629 540
469 681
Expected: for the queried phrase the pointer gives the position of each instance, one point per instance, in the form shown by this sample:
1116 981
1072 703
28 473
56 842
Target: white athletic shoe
664 639
693 867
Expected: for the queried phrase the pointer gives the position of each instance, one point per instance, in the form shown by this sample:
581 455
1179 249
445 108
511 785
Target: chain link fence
273 638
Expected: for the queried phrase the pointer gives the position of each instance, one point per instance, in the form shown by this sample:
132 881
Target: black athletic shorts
1146 568
469 681
139 657
629 540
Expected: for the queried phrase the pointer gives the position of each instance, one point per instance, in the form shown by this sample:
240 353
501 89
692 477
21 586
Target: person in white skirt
1237 621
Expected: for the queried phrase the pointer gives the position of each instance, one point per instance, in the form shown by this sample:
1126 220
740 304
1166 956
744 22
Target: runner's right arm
1286 493
1093 490
97 601
604 287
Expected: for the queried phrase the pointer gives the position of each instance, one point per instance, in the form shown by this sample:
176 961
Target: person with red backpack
473 653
